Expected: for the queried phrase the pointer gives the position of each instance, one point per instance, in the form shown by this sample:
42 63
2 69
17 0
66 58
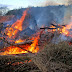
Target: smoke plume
68 13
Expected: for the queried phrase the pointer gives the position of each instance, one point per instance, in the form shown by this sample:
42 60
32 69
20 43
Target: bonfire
33 48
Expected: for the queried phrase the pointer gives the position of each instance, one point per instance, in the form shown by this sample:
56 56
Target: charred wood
19 45
25 42
57 26
48 28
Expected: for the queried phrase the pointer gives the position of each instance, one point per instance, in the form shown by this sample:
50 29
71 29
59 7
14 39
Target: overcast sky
26 3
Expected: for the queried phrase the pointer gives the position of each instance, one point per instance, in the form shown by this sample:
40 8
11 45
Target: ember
67 30
34 46
17 63
18 41
63 29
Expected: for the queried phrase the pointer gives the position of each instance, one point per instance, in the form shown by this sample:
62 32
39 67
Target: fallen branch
48 28
3 39
25 42
58 26
16 45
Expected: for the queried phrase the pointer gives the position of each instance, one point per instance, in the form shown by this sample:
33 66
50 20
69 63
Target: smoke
51 3
46 3
68 13
57 2
68 20
69 2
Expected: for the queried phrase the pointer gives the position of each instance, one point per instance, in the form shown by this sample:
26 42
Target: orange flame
66 29
17 63
12 31
18 41
12 50
16 50
33 47
53 29
17 26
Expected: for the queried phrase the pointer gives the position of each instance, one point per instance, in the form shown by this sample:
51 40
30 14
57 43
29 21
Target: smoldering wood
48 28
21 43
57 26
25 42
7 26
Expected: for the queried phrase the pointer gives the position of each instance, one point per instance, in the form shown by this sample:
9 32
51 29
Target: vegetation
53 58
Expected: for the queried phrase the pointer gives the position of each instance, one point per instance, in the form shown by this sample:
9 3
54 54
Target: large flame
33 48
17 26
67 30
26 48
18 41
12 32
12 50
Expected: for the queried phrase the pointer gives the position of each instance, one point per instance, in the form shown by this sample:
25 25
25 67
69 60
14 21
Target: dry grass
54 58
16 64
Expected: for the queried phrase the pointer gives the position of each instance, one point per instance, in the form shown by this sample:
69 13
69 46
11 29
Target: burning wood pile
34 46
18 46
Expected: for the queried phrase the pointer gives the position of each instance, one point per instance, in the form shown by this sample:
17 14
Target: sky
26 3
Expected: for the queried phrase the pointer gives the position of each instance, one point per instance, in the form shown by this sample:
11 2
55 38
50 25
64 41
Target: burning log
20 45
25 42
56 26
48 28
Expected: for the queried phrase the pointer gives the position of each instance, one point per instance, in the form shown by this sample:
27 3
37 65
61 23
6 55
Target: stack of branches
20 45
56 26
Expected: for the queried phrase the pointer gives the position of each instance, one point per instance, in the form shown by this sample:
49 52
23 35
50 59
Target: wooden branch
48 28
57 26
16 45
25 42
